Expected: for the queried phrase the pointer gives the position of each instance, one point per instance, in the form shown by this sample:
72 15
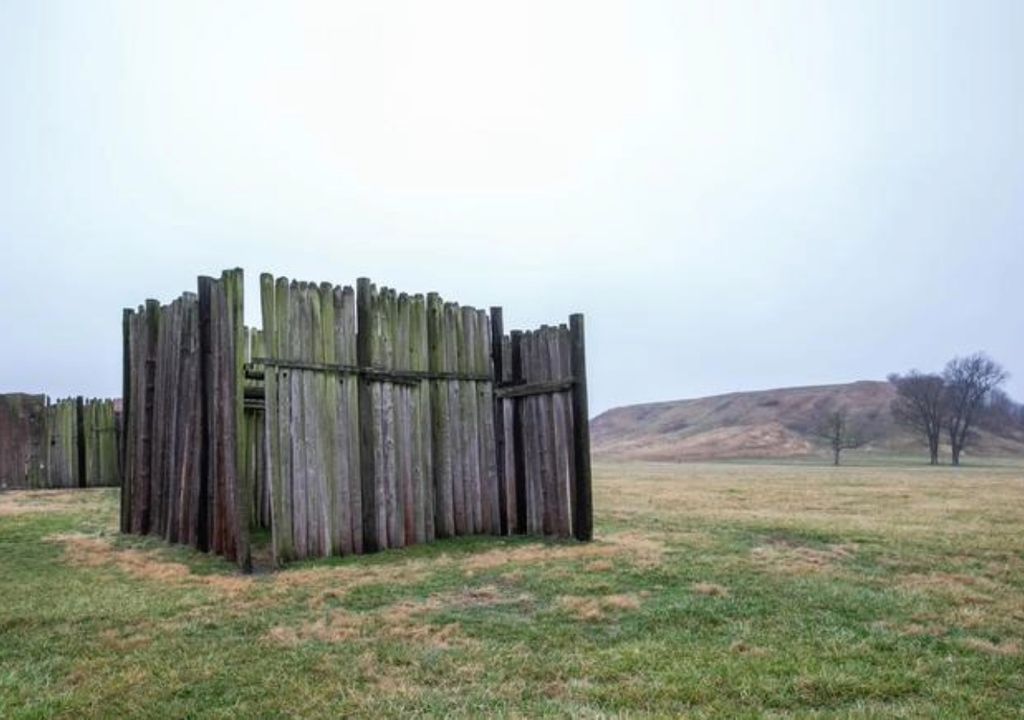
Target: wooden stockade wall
100 427
379 437
65 444
183 405
311 439
23 444
356 419
543 374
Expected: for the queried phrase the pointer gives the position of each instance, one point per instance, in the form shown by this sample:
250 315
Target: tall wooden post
243 490
497 370
204 507
126 394
364 358
80 442
583 503
518 437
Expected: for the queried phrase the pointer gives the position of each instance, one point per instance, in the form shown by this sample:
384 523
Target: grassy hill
764 425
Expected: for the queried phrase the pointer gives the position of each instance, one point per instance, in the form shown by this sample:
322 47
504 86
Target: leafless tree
920 405
836 428
969 380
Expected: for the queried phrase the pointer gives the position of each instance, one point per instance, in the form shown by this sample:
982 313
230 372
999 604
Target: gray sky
738 195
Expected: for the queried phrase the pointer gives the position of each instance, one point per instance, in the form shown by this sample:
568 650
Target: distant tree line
950 405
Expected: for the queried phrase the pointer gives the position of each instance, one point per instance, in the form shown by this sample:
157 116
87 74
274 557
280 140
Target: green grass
712 591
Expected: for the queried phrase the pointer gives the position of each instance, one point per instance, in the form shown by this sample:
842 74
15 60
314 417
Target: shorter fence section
184 389
544 429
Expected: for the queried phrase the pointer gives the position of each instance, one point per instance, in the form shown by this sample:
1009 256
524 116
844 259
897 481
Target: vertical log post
204 510
80 475
364 356
497 370
126 394
440 419
234 288
583 525
518 438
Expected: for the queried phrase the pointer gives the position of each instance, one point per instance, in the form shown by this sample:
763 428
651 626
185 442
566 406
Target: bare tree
969 381
836 428
920 405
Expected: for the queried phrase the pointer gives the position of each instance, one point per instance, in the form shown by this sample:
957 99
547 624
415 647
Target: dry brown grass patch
533 554
333 583
584 608
91 551
282 635
337 626
591 609
918 630
963 588
124 640
984 506
477 597
710 589
513 578
405 573
1004 649
21 502
792 558
435 636
404 621
621 602
742 647
641 549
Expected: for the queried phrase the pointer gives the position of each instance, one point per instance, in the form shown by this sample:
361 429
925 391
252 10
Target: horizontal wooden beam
406 377
537 388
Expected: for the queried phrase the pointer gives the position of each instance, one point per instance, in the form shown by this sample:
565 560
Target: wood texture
583 500
182 414
497 330
66 443
354 421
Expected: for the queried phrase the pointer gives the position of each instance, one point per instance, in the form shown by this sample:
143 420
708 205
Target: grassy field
712 590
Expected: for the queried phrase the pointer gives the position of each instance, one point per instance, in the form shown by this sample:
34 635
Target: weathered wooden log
584 508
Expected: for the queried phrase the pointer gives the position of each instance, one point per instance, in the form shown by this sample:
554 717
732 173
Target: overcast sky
738 195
